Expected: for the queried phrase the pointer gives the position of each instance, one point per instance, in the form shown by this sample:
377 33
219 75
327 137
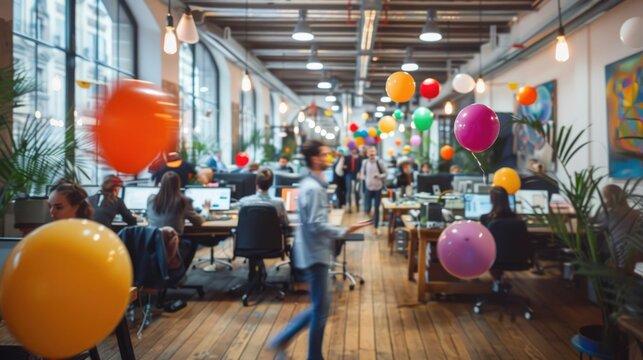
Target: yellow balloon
365 116
406 149
359 141
387 124
328 112
512 86
65 287
390 152
372 132
508 179
400 86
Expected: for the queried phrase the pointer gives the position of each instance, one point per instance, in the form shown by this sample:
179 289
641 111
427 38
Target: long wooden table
440 281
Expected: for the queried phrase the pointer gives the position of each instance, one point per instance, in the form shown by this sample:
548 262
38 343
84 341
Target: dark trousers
351 184
373 198
315 316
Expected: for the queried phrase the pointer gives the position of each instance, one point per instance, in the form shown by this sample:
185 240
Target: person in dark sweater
175 163
500 206
107 204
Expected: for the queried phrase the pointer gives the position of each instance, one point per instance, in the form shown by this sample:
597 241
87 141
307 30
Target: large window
199 91
104 52
248 128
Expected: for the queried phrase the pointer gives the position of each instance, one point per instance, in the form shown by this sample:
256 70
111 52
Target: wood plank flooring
380 320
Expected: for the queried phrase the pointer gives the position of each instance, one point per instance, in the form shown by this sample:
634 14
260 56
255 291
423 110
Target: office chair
153 269
211 242
339 244
259 236
514 252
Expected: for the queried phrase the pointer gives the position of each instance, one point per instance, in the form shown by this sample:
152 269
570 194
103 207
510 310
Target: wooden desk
395 210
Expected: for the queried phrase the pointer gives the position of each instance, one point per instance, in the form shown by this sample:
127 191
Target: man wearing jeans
352 166
312 251
373 173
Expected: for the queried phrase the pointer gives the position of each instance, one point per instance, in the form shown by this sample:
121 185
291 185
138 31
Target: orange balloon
138 121
508 179
387 124
406 149
446 152
398 142
526 95
400 86
390 152
65 287
359 141
372 132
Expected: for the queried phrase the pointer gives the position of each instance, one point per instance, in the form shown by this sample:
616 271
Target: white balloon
463 83
632 32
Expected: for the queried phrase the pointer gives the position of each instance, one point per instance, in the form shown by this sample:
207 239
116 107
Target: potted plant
615 286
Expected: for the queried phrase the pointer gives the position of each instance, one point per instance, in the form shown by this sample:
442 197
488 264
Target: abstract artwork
624 95
532 151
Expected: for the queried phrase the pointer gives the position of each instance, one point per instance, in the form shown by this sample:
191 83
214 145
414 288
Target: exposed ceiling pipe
368 23
533 38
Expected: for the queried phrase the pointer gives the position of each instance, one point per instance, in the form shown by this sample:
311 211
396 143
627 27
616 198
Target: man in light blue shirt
264 181
312 251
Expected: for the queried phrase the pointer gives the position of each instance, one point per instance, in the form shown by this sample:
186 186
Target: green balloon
398 114
379 132
423 118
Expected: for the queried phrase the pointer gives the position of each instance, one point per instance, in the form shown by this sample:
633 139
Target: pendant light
480 85
186 29
302 31
246 84
448 107
169 40
562 50
283 107
408 64
313 60
430 31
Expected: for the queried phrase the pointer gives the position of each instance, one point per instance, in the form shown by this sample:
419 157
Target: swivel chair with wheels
259 236
211 242
339 244
514 252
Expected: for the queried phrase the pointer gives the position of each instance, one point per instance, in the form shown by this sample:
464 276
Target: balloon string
484 174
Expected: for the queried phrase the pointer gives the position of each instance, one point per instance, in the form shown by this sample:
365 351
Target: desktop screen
219 197
476 205
531 202
289 196
135 197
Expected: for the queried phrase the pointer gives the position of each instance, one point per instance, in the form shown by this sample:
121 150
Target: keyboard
222 217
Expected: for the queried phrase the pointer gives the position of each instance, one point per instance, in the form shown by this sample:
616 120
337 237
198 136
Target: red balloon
527 95
446 152
353 127
398 142
137 122
242 159
377 139
430 88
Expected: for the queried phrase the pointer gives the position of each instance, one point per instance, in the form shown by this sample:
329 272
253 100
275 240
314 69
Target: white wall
580 81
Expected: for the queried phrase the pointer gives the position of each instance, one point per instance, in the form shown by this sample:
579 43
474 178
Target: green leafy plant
617 289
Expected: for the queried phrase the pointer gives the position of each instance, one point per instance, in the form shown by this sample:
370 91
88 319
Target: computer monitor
532 202
476 205
289 196
219 197
6 246
135 197
288 179
242 184
465 184
429 183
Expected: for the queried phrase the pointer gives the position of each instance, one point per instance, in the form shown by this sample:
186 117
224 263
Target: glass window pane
125 56
86 28
107 28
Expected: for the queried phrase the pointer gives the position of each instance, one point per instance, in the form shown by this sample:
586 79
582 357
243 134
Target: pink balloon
476 127
466 249
416 140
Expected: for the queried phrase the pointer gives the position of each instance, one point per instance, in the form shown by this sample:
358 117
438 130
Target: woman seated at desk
170 208
405 179
107 204
500 208
68 200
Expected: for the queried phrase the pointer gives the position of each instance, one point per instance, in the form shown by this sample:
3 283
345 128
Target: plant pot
590 341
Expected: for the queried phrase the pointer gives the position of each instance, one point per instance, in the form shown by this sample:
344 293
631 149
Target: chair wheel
528 315
351 286
477 309
362 282
244 300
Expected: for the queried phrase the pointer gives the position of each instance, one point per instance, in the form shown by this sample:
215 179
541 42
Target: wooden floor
380 320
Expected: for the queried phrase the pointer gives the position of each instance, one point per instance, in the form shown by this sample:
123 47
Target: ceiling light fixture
378 114
401 128
186 29
562 49
409 64
302 31
430 31
448 107
324 83
480 85
330 98
313 60
246 84
385 99
283 107
335 108
380 108
301 116
169 40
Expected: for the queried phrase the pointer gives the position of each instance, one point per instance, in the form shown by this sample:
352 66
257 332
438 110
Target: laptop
220 198
289 196
135 197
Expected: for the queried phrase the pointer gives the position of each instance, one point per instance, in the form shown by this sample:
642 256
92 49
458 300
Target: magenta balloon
476 127
415 140
352 145
466 249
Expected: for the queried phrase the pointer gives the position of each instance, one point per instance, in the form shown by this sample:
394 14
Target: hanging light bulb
401 128
562 50
302 30
480 85
169 40
186 29
448 107
296 129
283 107
246 84
301 116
